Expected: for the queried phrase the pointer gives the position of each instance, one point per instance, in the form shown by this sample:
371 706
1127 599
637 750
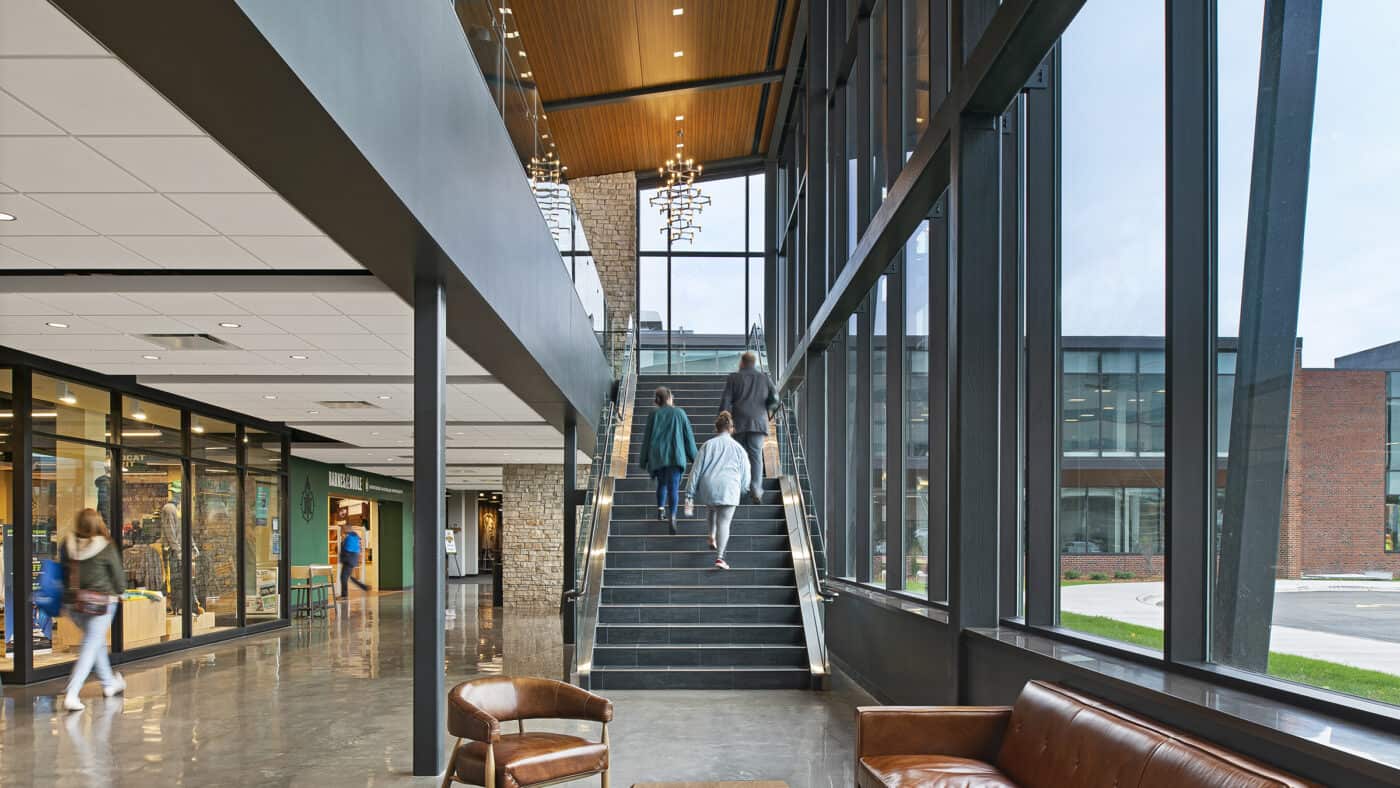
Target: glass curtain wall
916 412
701 300
169 486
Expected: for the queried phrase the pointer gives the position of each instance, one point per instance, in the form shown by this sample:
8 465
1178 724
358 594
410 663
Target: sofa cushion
529 758
929 771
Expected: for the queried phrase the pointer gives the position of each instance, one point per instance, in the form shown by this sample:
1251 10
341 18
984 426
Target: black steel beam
975 424
429 516
1191 322
790 72
1012 357
940 336
1043 385
570 502
651 91
1273 266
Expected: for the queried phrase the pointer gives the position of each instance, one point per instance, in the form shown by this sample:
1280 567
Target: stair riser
700 560
699 680
699 657
734 595
737 543
683 635
696 528
648 498
698 577
646 484
699 614
648 512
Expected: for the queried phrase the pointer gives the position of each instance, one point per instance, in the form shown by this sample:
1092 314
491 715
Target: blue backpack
49 596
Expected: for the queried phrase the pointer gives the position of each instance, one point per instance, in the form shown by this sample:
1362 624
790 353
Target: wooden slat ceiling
579 48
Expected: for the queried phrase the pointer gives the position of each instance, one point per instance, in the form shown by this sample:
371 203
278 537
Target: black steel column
771 297
895 461
22 578
1273 265
429 515
865 109
939 354
1191 323
862 433
570 498
815 242
1044 435
1012 355
976 408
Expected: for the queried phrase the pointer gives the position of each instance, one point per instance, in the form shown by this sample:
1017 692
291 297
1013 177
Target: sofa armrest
961 731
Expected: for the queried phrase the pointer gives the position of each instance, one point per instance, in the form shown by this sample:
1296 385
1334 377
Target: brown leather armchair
485 756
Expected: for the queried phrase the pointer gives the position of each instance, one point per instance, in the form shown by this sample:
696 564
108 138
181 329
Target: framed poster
450 539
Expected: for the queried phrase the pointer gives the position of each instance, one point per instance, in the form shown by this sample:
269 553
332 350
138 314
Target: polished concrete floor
328 703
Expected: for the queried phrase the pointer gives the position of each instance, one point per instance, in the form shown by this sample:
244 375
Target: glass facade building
195 501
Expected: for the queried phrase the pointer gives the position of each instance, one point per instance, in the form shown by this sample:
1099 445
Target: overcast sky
1114 185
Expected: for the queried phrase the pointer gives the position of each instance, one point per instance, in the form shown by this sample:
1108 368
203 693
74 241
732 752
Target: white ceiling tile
179 164
195 305
209 252
209 322
459 363
298 252
15 118
247 214
15 305
77 251
94 304
33 27
42 343
379 357
147 324
347 342
383 303
33 218
126 214
264 341
91 96
319 324
60 164
266 304
20 325
11 260
392 329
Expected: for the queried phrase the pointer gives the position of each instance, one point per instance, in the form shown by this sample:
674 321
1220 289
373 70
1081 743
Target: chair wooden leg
490 765
448 778
606 772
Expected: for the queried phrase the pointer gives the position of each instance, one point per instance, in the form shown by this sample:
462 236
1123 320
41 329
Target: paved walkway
327 703
1336 635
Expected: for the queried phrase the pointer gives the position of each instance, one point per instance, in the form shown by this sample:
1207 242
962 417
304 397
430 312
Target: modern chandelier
678 199
546 180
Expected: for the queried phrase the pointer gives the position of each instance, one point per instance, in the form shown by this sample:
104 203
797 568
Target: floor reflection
327 702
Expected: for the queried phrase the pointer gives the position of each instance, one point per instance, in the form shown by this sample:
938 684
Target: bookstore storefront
195 499
332 500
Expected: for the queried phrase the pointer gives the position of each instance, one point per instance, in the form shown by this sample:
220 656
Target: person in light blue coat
719 476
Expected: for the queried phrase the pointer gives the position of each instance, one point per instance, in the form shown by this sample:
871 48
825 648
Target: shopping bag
49 596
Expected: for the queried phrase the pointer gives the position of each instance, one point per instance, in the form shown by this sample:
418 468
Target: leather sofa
484 755
1051 738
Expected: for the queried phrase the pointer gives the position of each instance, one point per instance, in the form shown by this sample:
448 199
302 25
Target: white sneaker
71 703
720 564
117 687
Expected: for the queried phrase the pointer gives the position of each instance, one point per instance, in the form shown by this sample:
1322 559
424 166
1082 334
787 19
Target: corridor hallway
328 703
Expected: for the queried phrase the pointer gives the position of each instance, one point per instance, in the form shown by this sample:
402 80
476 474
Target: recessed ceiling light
680 118
151 358
269 396
385 396
298 357
7 217
313 413
459 434
678 53
137 413
677 11
56 325
197 428
521 53
374 433
229 325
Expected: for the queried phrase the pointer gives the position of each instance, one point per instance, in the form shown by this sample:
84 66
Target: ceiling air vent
346 404
188 342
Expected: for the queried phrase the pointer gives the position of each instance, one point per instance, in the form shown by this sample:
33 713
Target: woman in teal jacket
668 446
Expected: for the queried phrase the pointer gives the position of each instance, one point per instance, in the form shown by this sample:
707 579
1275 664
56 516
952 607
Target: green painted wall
309 494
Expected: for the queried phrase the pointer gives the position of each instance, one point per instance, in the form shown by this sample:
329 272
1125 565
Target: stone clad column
532 536
607 209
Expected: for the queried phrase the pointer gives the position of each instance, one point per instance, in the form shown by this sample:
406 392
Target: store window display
7 518
262 545
152 535
214 557
71 409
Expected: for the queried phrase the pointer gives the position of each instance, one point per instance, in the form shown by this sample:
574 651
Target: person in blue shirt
350 552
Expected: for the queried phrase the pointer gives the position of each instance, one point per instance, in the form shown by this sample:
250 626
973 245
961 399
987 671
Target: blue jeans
347 576
668 488
93 652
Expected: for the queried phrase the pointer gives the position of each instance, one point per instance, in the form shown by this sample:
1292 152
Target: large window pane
262 450
756 213
852 162
214 555
262 545
213 439
916 411
153 532
72 410
879 107
707 327
756 295
146 425
651 226
1113 318
879 483
68 478
7 518
723 222
590 291
653 313
915 111
1309 495
853 428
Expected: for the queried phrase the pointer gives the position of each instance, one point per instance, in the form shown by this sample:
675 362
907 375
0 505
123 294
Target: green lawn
1371 684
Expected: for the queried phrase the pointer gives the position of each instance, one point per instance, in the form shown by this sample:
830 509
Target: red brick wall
1335 506
1144 567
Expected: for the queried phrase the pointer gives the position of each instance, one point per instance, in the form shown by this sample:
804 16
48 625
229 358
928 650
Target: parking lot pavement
1353 623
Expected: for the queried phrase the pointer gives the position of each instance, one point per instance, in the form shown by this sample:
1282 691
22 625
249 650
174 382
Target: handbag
81 600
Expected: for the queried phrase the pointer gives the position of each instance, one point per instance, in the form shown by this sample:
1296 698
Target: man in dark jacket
751 398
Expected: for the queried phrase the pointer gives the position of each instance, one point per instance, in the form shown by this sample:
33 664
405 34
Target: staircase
667 618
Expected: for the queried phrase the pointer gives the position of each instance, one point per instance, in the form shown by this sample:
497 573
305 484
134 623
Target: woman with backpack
668 446
719 476
95 581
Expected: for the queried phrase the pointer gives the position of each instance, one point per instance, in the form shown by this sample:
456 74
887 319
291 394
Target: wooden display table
143 623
